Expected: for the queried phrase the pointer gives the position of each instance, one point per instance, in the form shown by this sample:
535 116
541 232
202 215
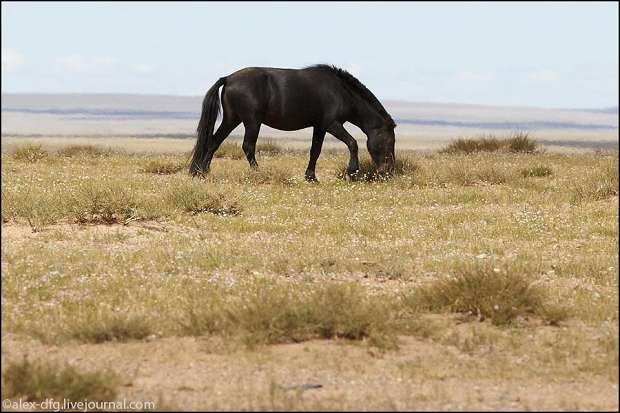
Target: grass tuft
517 142
163 167
37 381
520 142
29 153
266 312
266 174
599 184
538 171
229 150
39 209
194 197
488 293
73 151
118 328
469 145
269 147
403 166
103 202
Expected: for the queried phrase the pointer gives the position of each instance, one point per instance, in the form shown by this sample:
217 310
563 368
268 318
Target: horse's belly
288 122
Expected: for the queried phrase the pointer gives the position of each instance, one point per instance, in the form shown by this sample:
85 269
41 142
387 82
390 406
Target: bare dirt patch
193 374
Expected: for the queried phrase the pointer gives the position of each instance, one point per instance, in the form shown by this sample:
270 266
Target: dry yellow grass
103 259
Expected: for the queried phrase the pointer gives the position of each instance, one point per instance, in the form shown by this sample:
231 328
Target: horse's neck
365 116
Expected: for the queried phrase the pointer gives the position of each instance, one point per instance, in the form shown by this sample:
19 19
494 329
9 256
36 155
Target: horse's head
381 147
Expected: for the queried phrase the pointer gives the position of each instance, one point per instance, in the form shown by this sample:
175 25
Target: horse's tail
210 111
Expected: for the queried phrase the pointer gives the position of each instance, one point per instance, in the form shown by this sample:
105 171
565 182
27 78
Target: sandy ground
201 373
196 373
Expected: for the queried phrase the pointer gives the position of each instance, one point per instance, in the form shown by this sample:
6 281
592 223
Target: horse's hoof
199 173
350 175
311 178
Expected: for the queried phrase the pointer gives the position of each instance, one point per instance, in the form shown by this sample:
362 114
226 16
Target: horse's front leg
318 136
341 133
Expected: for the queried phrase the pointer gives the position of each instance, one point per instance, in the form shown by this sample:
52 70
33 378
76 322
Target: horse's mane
357 86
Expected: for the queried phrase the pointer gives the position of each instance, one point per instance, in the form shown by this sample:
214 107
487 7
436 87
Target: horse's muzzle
387 166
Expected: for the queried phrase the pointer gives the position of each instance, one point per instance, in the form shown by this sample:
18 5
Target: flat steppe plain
480 281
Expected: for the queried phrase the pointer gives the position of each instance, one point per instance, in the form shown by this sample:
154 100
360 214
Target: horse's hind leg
249 142
341 133
227 126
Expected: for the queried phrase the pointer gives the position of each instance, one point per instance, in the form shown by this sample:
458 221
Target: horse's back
286 99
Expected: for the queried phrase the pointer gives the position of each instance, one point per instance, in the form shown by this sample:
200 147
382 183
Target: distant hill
612 110
165 116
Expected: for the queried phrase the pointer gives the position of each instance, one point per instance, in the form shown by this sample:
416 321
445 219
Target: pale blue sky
526 54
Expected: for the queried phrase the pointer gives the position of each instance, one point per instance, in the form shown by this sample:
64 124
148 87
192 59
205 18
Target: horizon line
400 100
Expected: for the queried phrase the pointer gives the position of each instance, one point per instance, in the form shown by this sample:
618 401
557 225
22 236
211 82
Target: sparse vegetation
229 150
269 147
164 167
484 291
519 142
103 202
404 165
119 327
159 273
469 145
194 197
37 381
72 151
272 312
598 184
536 171
29 153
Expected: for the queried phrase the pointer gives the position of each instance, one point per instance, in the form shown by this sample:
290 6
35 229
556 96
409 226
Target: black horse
322 96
